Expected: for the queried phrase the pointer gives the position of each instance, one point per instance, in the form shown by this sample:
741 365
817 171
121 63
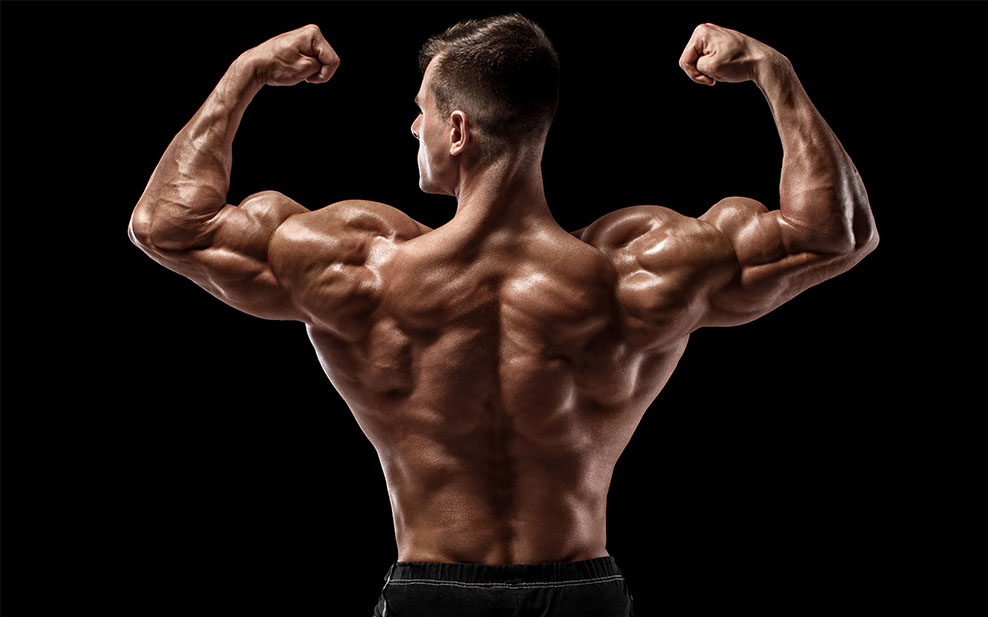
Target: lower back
497 500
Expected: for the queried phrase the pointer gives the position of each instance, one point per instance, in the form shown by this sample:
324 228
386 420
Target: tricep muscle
730 266
229 255
775 261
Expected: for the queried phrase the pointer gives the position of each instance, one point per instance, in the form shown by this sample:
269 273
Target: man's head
492 84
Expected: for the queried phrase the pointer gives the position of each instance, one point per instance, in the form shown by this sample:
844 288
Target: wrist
770 67
249 68
773 73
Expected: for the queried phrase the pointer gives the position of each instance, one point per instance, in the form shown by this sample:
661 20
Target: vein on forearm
192 179
819 187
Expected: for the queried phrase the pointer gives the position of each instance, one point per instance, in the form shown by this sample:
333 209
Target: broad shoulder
356 217
331 260
664 262
647 229
624 224
341 232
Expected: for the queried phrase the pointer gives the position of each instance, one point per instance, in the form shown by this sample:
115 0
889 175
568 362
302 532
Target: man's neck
507 195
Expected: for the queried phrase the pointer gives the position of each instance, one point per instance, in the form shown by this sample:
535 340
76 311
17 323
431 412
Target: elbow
157 229
139 228
868 243
856 236
865 232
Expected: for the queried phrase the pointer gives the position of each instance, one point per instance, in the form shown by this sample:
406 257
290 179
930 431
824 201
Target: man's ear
459 133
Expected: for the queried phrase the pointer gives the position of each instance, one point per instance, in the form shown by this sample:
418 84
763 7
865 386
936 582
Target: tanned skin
500 364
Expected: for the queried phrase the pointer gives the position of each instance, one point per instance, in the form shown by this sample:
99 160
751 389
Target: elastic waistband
591 570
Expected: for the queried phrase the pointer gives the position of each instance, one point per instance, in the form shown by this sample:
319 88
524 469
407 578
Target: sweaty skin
499 364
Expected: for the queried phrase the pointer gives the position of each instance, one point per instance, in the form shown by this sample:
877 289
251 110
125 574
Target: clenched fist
721 54
292 57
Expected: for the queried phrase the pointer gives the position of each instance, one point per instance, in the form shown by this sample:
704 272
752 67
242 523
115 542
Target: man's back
496 380
498 364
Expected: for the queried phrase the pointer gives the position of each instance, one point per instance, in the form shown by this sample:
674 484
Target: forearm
821 193
190 183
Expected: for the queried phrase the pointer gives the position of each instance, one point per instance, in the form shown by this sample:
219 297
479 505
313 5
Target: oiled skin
499 364
499 384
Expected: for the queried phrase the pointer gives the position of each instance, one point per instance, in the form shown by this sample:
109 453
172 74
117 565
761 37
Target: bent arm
183 222
824 224
189 185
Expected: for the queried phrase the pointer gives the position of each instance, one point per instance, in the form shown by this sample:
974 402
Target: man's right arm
824 224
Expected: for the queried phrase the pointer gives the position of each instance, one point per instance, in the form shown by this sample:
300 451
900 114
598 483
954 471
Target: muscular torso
499 381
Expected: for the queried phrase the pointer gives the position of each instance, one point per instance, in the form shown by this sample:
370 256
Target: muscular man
499 364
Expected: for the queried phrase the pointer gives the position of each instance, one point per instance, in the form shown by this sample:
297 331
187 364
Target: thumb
323 74
705 67
325 52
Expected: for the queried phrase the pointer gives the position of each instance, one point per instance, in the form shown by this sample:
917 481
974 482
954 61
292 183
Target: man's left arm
183 221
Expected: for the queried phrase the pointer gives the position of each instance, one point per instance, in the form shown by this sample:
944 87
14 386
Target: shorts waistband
600 569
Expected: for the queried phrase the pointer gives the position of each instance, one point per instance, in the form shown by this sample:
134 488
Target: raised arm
741 260
183 221
824 224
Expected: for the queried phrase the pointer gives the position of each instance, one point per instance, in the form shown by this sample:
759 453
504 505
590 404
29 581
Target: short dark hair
503 71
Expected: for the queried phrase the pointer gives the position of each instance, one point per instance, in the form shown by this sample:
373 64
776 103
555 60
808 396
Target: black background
165 453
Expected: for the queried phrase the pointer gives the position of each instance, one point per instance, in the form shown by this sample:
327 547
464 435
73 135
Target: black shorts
591 588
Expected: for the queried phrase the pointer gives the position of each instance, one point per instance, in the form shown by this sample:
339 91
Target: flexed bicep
182 219
823 225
